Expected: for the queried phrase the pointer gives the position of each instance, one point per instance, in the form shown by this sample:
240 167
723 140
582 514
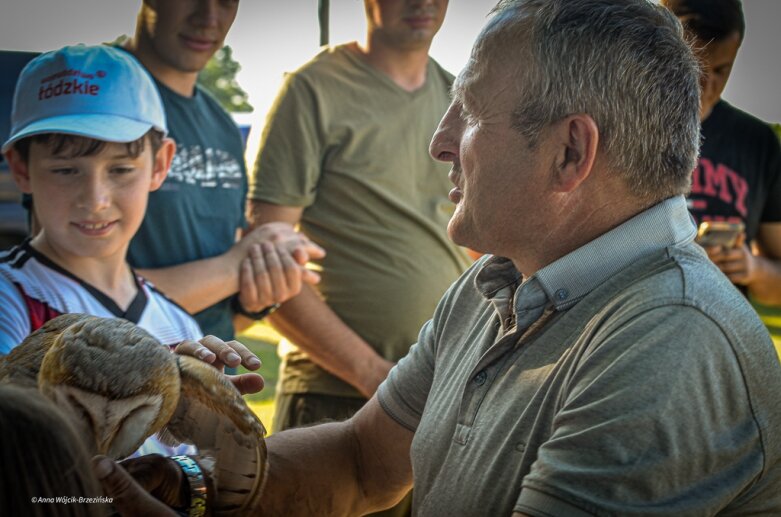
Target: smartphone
719 234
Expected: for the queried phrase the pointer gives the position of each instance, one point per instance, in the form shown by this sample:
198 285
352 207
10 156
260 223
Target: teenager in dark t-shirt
738 176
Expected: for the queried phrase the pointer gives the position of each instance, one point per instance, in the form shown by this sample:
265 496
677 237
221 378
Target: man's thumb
128 496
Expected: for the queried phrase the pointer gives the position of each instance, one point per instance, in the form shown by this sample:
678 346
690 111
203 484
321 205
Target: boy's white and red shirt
33 290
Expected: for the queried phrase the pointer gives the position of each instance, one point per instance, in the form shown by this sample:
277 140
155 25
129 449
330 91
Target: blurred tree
219 78
777 128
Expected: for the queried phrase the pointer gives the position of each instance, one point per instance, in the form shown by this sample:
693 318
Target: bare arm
308 321
766 285
346 468
200 284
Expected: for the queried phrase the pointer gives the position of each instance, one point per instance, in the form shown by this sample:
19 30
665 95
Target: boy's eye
64 170
122 169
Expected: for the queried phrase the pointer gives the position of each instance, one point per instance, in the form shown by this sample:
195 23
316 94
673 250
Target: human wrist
238 308
194 487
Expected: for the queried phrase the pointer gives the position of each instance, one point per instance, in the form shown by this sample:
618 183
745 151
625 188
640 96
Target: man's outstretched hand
149 485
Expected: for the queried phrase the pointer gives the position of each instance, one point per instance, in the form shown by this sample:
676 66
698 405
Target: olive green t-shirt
349 145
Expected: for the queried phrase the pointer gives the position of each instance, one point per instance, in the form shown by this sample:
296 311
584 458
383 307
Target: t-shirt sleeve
14 319
288 165
404 393
654 403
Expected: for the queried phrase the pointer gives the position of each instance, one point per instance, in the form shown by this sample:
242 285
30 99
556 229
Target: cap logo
73 86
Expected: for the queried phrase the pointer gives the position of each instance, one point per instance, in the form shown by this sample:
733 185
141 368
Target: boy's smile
89 207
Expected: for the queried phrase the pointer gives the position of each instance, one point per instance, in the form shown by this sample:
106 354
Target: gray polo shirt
627 378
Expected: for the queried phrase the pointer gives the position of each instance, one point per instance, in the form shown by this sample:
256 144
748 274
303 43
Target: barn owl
121 385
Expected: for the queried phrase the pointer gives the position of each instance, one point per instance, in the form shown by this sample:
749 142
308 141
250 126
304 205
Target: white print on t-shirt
206 168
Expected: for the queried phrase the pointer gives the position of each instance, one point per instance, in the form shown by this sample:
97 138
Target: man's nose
445 142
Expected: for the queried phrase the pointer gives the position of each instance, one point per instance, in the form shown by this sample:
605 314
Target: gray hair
622 62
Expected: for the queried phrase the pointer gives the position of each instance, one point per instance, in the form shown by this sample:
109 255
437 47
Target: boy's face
185 34
90 206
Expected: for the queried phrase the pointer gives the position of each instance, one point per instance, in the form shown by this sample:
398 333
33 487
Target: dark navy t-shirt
738 175
196 212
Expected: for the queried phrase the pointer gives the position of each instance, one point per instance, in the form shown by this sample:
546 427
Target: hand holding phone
718 233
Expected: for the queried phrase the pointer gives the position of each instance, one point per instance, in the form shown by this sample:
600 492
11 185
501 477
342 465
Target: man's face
500 183
185 34
406 24
716 58
89 206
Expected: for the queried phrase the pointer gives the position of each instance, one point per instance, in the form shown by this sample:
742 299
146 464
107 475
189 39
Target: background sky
272 36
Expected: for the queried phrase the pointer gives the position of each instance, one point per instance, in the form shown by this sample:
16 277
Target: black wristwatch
238 309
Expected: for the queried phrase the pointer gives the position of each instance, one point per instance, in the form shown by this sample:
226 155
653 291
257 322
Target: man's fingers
247 383
128 496
248 293
276 275
305 246
309 276
265 291
732 267
292 273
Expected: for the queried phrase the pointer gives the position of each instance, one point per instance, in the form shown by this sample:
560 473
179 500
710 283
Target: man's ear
19 170
162 163
576 138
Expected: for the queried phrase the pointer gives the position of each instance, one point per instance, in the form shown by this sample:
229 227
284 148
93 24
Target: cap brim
111 128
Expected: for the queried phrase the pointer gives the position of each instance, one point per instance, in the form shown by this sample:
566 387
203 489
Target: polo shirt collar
576 274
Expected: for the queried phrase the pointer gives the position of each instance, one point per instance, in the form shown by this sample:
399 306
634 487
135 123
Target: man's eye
468 118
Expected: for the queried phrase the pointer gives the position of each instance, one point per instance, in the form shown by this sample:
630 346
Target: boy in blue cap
88 139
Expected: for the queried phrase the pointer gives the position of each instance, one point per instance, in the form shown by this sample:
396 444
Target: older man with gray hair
596 362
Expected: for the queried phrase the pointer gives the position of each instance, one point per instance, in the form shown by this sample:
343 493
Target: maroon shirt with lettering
738 175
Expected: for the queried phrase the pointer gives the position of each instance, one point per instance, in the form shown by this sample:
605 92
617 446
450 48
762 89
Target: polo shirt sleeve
288 165
403 394
656 400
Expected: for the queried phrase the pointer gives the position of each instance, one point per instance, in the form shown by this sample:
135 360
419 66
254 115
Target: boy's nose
206 13
95 196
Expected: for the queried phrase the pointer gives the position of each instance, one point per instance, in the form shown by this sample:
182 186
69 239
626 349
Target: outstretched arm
200 284
347 468
308 321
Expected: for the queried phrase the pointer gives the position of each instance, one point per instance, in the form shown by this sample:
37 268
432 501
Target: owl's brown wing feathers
213 416
22 364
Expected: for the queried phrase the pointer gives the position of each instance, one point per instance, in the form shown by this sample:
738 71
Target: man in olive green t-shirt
345 154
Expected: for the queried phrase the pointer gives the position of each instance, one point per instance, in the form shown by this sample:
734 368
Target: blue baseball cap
99 92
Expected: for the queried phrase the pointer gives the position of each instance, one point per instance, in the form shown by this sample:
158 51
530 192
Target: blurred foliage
219 78
777 128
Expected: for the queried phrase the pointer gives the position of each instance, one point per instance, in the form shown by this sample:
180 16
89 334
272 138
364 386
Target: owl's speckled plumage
121 386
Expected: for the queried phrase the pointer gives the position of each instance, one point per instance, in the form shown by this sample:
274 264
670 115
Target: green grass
772 318
263 340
